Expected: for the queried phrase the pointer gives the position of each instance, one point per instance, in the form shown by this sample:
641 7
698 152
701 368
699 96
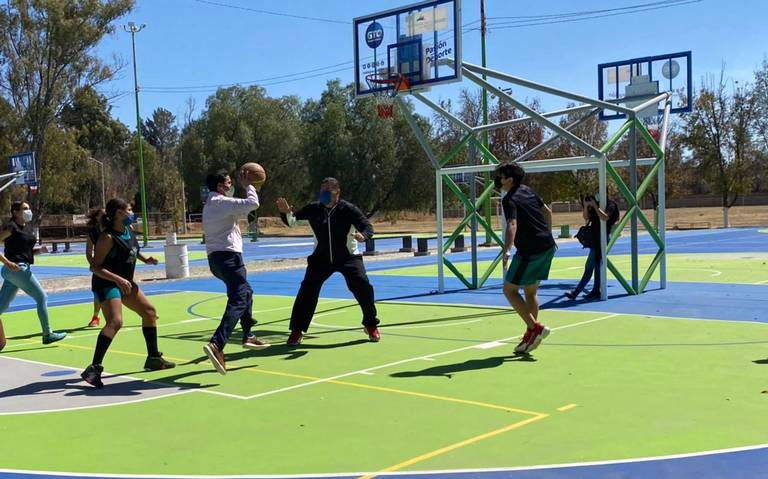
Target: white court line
762 282
285 244
133 401
403 361
54 474
392 328
491 345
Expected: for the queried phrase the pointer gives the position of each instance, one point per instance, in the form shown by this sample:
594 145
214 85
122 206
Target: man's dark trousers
319 270
228 266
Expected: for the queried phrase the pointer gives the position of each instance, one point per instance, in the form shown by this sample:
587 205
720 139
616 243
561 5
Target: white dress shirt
221 215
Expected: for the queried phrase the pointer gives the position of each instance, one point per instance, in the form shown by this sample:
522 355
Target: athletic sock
150 337
102 344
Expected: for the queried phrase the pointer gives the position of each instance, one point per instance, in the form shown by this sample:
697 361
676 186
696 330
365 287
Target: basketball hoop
385 88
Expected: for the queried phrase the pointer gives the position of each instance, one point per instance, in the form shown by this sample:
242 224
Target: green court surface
745 268
78 260
441 390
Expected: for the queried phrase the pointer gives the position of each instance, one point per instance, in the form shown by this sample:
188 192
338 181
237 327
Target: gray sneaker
53 337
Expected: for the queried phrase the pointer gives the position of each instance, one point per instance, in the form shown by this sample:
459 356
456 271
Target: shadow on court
448 370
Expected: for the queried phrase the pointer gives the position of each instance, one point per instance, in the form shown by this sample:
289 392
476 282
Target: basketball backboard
632 82
407 42
24 163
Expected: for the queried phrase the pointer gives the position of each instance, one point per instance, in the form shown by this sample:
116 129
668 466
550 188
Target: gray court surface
29 387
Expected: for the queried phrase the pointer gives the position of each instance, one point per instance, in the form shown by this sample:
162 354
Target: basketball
255 173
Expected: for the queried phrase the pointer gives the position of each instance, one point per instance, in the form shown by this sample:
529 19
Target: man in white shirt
224 245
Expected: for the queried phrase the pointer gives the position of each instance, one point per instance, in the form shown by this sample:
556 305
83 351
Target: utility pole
485 139
133 29
183 194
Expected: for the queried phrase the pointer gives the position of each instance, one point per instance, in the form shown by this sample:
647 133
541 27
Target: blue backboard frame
647 62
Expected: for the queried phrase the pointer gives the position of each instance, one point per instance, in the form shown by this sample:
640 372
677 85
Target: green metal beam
620 278
651 269
616 137
456 149
456 272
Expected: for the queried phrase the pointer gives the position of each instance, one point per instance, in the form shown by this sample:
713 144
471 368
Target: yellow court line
455 446
567 407
433 396
341 383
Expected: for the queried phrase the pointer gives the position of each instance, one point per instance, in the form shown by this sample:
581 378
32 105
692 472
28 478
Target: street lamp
133 29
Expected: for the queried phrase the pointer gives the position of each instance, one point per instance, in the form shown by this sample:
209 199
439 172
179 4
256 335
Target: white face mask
27 215
230 192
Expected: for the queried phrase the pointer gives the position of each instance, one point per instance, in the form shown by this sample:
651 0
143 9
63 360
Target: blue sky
187 43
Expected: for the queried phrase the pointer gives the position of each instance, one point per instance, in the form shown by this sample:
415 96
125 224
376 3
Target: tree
105 139
241 125
161 132
720 136
46 55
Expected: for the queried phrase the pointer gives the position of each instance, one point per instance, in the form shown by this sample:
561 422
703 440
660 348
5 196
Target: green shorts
104 294
530 269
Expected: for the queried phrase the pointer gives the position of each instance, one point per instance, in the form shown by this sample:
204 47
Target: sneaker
92 375
216 356
523 344
572 294
252 342
592 295
157 363
539 333
373 333
94 322
53 337
295 338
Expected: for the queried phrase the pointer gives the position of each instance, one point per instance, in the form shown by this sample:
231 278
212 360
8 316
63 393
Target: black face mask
497 182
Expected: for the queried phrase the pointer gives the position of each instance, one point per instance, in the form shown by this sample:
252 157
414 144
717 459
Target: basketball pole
133 30
485 134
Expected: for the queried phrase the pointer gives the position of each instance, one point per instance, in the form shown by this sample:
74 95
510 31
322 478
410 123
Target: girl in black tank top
113 266
94 231
17 261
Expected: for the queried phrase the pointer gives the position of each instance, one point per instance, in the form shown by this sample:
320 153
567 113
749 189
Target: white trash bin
176 261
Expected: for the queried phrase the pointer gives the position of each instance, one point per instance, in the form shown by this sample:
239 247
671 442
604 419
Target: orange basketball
255 173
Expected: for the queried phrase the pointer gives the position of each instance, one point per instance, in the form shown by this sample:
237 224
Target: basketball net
385 88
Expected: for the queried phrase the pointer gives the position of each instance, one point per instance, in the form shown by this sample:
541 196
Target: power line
585 12
522 23
277 14
280 79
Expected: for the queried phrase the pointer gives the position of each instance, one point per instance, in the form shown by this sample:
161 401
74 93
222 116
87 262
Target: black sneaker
592 295
92 375
157 363
571 294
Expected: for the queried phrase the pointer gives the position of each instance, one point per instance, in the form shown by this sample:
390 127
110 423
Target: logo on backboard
374 35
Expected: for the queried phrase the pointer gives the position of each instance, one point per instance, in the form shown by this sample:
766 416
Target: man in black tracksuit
338 225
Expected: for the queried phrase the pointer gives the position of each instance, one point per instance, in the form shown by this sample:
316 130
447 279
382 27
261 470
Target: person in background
592 214
94 230
18 257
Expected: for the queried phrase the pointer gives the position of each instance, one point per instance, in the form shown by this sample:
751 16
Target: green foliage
47 56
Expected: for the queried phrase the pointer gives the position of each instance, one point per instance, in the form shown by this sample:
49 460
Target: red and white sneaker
94 322
373 334
539 333
295 338
523 344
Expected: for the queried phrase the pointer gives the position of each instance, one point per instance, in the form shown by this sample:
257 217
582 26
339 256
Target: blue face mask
325 197
129 220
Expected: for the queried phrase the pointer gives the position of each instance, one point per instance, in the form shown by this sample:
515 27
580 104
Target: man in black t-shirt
529 228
